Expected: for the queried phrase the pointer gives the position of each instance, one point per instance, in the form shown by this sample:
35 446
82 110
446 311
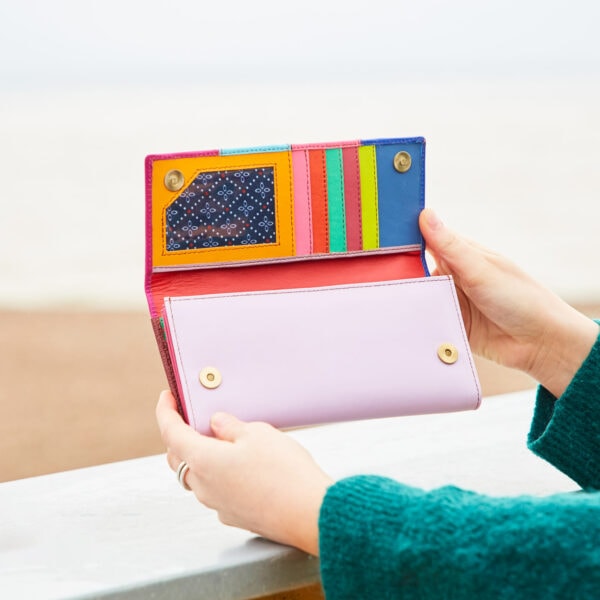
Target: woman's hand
253 475
509 317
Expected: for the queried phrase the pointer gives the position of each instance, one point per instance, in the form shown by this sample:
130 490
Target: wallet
288 284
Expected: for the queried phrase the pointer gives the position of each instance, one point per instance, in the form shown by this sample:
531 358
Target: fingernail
433 220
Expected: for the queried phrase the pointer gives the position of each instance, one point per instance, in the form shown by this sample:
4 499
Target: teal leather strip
257 150
335 199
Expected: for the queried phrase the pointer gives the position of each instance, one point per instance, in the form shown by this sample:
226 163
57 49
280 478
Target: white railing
128 530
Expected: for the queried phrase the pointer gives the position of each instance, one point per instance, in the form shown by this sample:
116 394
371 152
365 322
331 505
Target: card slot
318 199
368 197
302 208
352 199
335 200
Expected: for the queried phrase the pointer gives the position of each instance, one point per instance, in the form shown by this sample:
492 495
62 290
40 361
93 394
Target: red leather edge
278 276
163 349
318 194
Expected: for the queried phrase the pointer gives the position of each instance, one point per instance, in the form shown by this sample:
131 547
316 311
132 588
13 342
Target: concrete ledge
128 530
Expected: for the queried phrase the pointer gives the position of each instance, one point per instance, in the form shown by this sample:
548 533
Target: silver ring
182 470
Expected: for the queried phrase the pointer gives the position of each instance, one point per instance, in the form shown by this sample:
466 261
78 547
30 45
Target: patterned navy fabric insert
223 208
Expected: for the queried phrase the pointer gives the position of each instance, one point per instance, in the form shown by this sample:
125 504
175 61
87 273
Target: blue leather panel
401 195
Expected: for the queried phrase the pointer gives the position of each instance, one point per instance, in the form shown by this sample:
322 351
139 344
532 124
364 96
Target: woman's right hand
509 317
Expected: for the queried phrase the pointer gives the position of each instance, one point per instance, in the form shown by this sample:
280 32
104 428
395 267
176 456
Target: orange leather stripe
190 167
280 276
352 199
318 199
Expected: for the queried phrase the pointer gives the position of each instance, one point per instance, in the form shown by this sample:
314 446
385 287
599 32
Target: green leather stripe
335 199
368 197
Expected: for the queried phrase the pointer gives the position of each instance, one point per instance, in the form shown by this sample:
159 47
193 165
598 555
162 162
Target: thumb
448 248
226 427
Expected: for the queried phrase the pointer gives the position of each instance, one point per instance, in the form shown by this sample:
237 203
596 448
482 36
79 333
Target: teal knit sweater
380 539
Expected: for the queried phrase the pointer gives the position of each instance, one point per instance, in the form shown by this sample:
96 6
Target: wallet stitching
321 289
358 196
324 176
341 188
309 203
376 186
291 200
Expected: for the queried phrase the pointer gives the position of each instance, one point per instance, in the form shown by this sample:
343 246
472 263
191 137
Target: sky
180 41
500 88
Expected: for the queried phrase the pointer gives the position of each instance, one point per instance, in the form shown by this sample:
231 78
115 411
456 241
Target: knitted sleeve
566 431
381 539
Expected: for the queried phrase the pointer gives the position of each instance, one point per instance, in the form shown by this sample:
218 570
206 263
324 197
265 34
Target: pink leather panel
302 223
323 354
322 146
352 199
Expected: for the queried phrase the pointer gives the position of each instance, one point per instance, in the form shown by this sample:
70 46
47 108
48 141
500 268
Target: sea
511 163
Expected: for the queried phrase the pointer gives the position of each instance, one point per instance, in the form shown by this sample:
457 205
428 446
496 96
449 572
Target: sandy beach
79 389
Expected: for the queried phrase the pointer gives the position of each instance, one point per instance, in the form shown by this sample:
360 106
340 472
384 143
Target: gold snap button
448 353
174 180
210 378
402 162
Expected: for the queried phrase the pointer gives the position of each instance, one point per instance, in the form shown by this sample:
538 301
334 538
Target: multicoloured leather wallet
289 284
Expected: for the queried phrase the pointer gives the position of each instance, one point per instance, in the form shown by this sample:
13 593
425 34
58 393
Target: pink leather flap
313 355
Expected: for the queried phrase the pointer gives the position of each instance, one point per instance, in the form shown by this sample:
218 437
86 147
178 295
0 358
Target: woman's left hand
255 477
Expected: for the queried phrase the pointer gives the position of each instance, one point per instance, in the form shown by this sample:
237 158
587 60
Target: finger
179 437
453 254
441 241
227 427
173 460
189 477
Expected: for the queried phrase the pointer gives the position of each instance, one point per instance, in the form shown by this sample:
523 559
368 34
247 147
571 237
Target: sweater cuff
360 514
566 431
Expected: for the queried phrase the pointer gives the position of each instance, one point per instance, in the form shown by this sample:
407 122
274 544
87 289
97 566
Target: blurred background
506 93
